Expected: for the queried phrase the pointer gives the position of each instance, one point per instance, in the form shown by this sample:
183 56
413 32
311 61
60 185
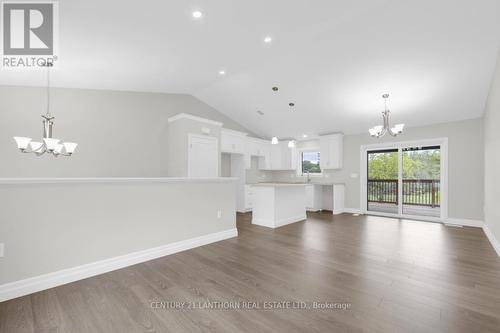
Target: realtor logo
29 31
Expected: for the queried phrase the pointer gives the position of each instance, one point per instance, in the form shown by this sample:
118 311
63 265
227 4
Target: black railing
421 192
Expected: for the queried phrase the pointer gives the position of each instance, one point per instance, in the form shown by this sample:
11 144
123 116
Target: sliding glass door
421 181
405 180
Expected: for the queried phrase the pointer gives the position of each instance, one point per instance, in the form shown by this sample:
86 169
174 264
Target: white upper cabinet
232 141
282 157
271 157
331 151
288 157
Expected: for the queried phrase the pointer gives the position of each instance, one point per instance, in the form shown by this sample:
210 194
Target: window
310 162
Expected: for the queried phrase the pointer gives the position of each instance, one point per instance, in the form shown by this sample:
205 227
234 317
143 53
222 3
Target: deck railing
421 192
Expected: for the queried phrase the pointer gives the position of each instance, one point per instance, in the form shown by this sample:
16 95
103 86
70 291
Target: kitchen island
278 204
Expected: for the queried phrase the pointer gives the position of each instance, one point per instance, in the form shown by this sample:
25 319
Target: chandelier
49 144
381 130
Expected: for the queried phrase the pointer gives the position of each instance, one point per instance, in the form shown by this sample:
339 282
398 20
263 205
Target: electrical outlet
219 214
2 250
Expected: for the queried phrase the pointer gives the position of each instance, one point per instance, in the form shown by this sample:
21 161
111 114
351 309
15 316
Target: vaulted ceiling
333 59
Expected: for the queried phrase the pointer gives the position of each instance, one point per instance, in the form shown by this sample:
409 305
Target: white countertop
278 184
9 181
292 184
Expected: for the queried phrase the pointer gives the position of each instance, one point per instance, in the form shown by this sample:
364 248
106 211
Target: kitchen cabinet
271 157
314 197
280 157
232 142
331 151
248 197
259 148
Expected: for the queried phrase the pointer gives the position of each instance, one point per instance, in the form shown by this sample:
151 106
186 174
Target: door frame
200 136
442 142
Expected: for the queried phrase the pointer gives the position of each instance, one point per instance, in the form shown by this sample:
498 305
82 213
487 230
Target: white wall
492 157
120 134
50 227
465 160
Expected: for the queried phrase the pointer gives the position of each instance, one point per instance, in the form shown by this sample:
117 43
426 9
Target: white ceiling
332 58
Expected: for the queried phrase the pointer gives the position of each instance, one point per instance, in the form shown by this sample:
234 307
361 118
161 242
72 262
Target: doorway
406 179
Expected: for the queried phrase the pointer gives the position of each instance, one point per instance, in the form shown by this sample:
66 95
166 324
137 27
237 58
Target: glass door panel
382 189
421 191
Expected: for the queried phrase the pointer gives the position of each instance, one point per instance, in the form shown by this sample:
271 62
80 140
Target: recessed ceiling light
304 136
222 72
268 40
197 14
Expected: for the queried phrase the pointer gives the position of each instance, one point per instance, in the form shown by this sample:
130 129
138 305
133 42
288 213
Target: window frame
300 160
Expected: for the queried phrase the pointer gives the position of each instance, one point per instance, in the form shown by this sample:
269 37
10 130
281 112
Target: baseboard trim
278 223
46 281
290 220
464 222
352 210
494 242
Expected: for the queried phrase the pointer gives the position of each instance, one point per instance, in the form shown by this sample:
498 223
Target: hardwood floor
391 275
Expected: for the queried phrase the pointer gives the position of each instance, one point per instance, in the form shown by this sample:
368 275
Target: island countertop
278 184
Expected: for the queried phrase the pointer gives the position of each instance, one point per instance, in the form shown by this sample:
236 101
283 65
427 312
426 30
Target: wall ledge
18 181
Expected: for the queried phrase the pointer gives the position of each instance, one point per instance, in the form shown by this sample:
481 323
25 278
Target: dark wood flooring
389 275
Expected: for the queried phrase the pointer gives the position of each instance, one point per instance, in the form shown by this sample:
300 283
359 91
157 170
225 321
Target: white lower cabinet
248 197
314 197
325 197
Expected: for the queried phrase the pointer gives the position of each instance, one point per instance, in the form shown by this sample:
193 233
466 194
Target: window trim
299 165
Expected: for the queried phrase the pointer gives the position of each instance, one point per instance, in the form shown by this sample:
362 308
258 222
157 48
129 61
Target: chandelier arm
48 92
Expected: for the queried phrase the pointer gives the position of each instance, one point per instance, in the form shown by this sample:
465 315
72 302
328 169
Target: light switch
354 175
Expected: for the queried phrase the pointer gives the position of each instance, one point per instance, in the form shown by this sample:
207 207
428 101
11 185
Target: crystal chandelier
381 130
49 144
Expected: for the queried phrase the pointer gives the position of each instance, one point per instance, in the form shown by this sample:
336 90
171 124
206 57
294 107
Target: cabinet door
226 142
276 157
310 196
324 151
231 143
336 151
203 157
248 196
238 144
288 157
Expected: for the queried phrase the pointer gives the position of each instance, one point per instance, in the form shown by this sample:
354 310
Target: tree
417 164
